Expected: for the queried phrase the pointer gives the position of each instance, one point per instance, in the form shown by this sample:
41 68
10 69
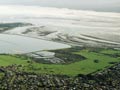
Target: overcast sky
99 5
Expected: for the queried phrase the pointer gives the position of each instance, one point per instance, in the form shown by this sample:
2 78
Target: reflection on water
20 44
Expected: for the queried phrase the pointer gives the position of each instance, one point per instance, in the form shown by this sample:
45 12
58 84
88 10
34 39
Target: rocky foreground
12 79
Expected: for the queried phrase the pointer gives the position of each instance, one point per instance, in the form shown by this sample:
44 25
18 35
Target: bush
96 61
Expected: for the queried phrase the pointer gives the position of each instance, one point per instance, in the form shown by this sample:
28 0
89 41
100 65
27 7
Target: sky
97 5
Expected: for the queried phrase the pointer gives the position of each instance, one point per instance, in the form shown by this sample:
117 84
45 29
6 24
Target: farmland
94 61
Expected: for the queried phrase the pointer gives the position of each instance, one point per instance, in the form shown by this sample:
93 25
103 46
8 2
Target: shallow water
15 44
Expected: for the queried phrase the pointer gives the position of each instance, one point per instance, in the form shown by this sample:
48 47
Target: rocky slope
13 79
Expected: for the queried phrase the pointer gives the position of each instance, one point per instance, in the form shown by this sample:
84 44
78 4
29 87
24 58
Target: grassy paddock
95 61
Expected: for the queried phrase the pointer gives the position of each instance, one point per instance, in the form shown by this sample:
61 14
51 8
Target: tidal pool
15 44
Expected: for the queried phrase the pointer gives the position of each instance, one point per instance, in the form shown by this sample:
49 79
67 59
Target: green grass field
110 51
6 60
95 61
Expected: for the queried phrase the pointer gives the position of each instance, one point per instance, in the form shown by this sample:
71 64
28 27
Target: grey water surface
16 44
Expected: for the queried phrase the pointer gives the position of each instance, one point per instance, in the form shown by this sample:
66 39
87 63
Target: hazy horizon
97 5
